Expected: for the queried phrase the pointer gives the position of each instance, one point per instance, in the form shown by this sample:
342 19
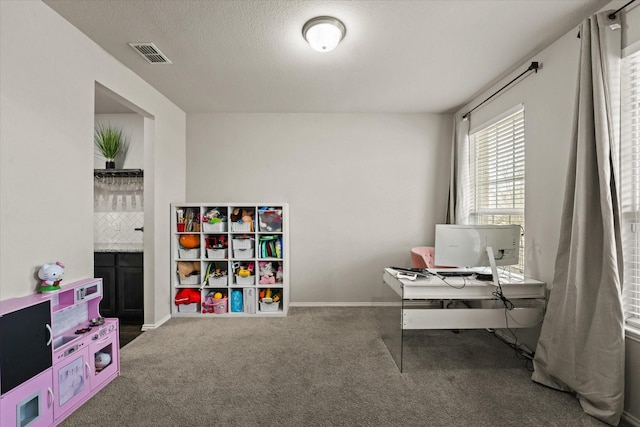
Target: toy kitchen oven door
84 367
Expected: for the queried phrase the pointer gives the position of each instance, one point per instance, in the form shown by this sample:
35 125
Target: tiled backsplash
117 227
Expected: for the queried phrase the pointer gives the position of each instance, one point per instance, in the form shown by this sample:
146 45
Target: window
630 188
496 166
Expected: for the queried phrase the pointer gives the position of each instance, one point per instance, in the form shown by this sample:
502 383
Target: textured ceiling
397 56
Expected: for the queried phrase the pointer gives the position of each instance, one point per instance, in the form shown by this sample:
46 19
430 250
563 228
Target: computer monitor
477 246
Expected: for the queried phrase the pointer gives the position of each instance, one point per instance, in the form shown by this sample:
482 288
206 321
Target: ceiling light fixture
323 33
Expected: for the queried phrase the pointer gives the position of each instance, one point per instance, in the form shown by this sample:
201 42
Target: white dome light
323 33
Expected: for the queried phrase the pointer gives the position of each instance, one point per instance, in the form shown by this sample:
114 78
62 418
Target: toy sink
65 339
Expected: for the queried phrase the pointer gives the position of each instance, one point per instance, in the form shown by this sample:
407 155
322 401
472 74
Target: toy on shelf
188 268
51 276
213 216
214 274
192 220
245 270
269 296
216 242
266 273
187 296
270 219
236 301
215 302
243 216
189 241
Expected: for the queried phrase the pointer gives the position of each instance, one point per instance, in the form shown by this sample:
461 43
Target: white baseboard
150 326
335 304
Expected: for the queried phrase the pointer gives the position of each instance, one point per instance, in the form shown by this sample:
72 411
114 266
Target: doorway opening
119 215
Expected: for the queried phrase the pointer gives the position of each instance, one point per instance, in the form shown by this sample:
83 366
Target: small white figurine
51 276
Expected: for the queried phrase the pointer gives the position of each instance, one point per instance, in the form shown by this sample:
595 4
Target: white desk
458 303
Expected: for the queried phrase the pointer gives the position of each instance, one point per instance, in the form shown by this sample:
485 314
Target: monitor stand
494 268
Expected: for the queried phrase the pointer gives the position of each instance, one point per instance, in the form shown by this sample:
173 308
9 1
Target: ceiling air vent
151 53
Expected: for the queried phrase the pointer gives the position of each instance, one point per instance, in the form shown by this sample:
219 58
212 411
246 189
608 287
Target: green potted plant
110 141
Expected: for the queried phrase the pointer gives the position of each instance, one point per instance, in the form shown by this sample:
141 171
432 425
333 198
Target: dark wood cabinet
123 284
105 268
25 344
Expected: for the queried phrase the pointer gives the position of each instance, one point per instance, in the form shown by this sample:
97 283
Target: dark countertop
118 247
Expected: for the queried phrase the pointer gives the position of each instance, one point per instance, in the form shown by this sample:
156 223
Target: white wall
363 188
47 153
548 98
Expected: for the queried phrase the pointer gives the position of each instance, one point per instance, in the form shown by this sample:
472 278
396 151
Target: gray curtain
458 206
581 346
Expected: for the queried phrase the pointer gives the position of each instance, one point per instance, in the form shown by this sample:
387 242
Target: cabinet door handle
87 370
104 340
51 398
50 334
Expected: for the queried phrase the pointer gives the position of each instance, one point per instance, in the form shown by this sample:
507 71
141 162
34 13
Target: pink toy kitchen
56 352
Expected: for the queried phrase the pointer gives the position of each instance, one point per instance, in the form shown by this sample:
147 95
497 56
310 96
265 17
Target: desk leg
390 321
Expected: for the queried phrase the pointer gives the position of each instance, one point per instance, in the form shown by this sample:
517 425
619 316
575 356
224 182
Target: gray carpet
321 367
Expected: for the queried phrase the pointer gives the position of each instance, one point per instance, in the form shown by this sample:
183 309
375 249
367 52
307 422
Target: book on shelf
271 247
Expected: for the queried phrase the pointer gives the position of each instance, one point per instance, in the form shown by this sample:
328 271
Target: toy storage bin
268 307
189 253
216 253
208 227
243 253
220 306
218 281
188 308
251 280
240 226
242 243
190 280
270 220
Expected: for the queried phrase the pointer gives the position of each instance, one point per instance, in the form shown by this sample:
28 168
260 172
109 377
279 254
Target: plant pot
110 164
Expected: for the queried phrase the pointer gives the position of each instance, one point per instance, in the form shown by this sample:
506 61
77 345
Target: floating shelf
100 173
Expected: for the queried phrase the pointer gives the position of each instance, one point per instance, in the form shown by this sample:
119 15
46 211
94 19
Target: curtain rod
613 15
533 67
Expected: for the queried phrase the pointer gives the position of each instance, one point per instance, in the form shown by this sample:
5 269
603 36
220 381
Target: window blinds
497 166
630 191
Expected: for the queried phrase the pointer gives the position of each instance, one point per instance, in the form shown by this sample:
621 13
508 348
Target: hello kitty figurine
51 276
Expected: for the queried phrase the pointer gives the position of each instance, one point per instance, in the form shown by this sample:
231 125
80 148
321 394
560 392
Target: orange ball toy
190 241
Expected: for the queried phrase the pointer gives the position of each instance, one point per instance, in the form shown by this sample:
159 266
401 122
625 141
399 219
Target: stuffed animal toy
236 215
266 273
279 273
188 268
242 215
51 276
